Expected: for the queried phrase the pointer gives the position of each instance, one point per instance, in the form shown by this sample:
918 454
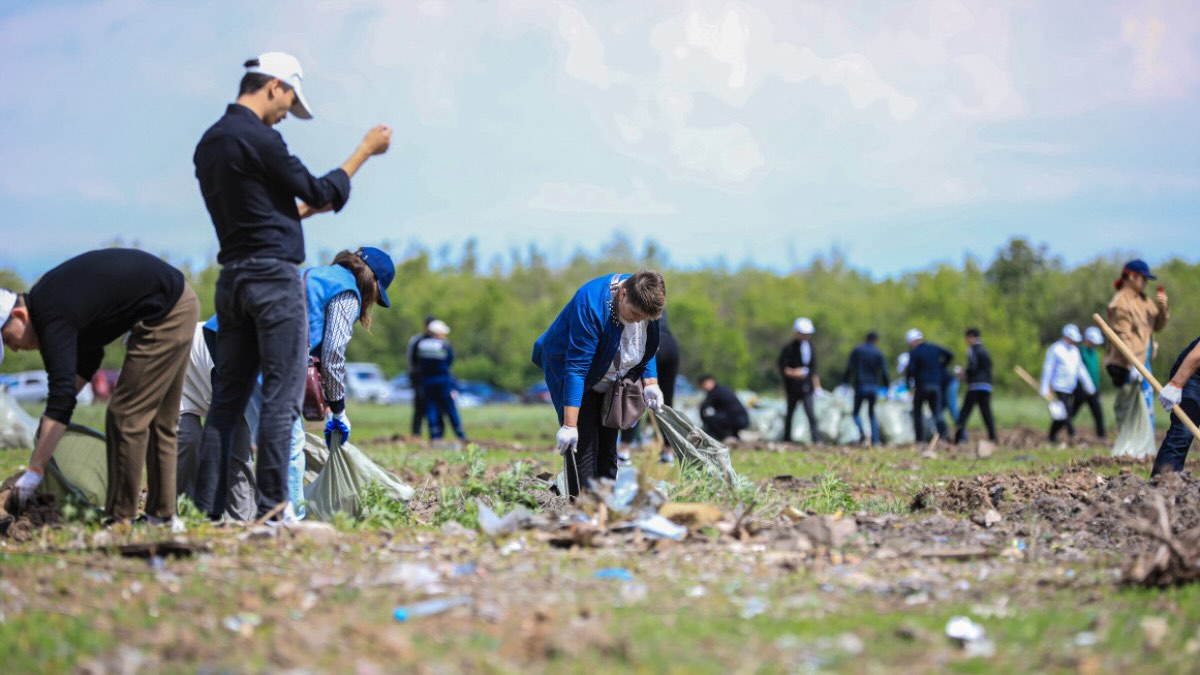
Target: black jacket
722 403
866 368
979 365
927 364
789 357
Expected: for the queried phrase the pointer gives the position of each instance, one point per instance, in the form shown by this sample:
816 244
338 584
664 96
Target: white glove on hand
568 439
1135 375
26 485
654 397
1058 411
1169 397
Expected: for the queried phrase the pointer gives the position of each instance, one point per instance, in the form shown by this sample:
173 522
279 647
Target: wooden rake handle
1031 382
1141 368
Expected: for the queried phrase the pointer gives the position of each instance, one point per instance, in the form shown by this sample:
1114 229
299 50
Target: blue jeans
868 394
440 401
296 466
1175 445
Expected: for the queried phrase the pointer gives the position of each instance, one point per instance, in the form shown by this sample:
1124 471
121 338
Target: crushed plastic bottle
617 573
430 607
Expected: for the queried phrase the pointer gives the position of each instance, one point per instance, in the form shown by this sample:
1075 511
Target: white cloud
590 198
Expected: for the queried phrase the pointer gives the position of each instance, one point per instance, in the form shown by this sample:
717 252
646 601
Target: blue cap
1140 267
381 264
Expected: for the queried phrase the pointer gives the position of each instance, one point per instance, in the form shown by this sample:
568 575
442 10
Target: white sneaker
624 458
177 526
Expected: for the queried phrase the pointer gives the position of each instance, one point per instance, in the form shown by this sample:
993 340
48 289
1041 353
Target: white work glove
26 485
653 396
1169 397
1058 411
1135 375
568 439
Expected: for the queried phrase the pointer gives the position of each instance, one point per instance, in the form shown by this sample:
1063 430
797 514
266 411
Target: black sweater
87 302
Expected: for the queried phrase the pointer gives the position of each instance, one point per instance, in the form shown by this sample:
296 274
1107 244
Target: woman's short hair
647 292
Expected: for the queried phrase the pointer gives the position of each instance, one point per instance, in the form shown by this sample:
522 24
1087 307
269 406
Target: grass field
1043 582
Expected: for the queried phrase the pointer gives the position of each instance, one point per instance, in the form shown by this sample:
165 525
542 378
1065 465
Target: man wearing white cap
1093 339
798 365
926 364
257 193
1062 371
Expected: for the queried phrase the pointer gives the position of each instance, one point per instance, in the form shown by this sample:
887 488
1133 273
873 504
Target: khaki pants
140 427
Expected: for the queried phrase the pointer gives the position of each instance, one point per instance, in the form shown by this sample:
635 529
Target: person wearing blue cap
256 193
1134 318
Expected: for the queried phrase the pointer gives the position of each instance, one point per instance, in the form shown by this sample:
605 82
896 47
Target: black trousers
931 396
1174 449
809 412
867 395
1093 404
263 325
419 407
596 455
721 425
1059 425
973 398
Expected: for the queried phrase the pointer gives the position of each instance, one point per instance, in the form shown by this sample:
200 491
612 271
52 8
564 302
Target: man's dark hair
973 332
647 292
252 82
429 319
705 378
872 337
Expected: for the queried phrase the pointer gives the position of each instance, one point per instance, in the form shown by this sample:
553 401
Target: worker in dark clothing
414 379
867 372
257 193
70 315
926 362
979 388
1183 390
722 414
798 366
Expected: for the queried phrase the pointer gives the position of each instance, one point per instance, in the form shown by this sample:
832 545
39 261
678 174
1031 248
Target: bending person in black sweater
722 414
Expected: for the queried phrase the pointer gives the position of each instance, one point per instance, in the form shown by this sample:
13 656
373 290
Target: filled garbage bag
346 472
17 427
1135 433
79 468
895 422
315 456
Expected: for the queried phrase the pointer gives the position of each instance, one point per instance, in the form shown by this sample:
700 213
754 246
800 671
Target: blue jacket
433 359
578 348
321 285
926 365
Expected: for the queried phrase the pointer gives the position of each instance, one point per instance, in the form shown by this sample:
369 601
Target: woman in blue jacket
609 331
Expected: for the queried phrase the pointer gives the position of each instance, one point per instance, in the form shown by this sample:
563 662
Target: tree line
732 322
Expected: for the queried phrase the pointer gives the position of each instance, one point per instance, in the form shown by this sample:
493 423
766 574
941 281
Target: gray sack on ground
1135 434
17 427
692 444
79 468
346 473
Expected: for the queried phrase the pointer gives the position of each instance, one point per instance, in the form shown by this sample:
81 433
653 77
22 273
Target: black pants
1059 425
596 454
667 359
419 406
984 400
867 395
1174 449
807 400
722 424
262 327
1093 404
440 405
931 396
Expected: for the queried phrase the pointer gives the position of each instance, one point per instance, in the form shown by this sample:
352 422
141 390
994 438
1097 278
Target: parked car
400 389
33 386
485 392
537 393
365 382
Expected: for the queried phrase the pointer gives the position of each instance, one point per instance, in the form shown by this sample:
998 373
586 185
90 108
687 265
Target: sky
899 133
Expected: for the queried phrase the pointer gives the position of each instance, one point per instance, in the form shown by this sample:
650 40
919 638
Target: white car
365 382
34 386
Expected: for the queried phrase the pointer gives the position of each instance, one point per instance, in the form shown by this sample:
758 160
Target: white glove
1135 375
654 397
568 439
804 372
26 485
1169 397
1058 411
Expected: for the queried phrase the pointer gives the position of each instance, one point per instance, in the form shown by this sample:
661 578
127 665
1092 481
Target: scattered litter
1085 639
658 527
243 623
970 636
430 607
413 577
1154 628
753 606
494 526
512 547
615 573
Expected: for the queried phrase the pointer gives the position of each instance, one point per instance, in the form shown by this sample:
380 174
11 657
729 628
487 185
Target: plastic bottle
430 607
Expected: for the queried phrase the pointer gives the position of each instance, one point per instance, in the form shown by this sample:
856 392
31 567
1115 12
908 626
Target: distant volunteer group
273 319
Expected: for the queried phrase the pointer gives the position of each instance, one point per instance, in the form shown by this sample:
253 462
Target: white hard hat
1071 332
804 326
913 335
438 327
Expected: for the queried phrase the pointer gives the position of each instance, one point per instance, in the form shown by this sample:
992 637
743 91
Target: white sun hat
804 326
286 68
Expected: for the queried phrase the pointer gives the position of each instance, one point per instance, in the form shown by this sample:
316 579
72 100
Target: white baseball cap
438 327
1071 332
8 300
286 68
913 335
1094 335
804 326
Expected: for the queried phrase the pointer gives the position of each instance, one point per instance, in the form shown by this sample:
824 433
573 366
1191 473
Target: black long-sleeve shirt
926 363
792 356
979 368
866 367
722 403
87 302
250 184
